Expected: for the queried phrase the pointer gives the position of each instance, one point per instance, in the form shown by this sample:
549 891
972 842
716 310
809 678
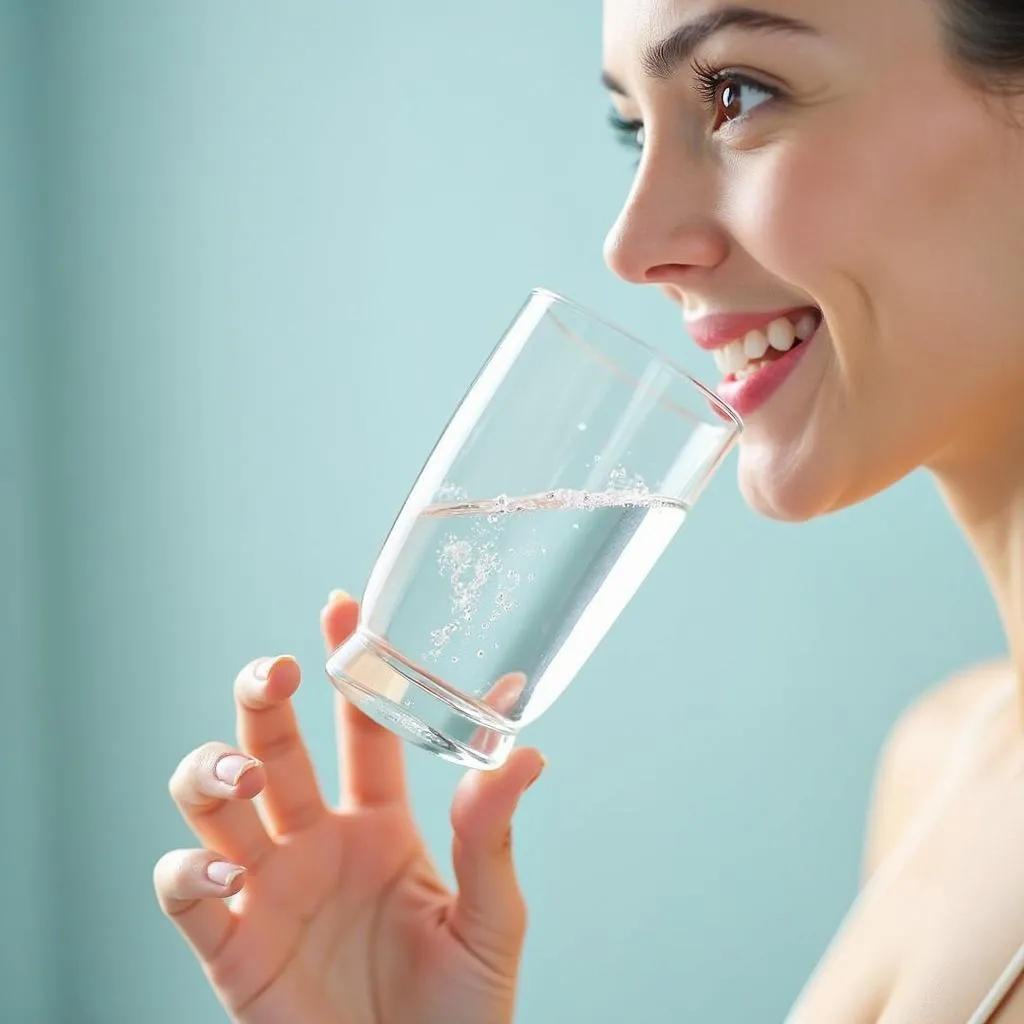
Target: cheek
911 238
887 223
787 208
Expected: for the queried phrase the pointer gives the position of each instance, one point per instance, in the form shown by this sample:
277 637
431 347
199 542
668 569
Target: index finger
371 759
268 729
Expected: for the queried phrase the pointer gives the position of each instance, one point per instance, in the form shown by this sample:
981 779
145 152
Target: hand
304 914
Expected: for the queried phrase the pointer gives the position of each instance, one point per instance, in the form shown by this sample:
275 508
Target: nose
666 230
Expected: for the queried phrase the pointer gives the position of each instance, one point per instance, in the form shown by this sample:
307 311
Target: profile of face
826 167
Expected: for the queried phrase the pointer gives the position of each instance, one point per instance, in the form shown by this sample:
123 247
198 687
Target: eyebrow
661 59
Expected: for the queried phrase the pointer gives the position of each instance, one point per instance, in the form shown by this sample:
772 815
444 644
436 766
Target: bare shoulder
916 751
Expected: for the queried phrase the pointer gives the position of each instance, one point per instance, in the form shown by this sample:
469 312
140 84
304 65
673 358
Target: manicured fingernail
338 596
231 767
221 873
261 670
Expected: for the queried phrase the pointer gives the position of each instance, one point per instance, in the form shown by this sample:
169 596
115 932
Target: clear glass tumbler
560 479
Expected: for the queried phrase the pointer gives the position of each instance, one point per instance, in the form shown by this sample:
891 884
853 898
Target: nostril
667 273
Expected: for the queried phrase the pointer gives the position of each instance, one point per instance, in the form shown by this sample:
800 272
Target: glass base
420 709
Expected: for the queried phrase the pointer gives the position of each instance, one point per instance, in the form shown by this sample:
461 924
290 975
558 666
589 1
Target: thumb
489 914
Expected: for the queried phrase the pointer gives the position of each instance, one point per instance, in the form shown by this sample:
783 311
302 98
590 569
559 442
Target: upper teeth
780 335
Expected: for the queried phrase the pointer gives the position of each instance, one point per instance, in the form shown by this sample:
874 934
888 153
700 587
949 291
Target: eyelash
709 80
626 131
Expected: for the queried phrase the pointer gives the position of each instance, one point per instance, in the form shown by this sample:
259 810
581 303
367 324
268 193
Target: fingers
191 886
268 729
213 788
339 619
489 913
371 758
505 693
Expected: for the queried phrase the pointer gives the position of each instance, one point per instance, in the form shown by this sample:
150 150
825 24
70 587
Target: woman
833 194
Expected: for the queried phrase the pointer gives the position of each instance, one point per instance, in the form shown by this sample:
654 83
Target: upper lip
716 330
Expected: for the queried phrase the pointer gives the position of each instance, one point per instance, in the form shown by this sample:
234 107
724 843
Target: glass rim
719 403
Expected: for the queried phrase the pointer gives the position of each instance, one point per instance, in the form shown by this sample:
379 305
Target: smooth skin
857 171
338 916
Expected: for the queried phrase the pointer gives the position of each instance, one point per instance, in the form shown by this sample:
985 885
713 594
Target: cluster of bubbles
469 558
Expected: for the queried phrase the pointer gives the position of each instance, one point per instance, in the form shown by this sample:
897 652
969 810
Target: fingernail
261 670
538 774
337 596
221 873
231 767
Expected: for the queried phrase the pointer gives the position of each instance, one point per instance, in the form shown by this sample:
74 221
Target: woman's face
821 165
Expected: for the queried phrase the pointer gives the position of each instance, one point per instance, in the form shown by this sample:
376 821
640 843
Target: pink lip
718 329
748 395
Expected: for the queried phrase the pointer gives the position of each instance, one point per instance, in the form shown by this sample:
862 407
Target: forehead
632 27
866 26
635 22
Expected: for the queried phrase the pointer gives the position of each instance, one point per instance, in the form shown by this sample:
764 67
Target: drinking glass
557 484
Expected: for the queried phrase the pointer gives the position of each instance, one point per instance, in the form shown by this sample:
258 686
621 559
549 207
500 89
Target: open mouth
743 357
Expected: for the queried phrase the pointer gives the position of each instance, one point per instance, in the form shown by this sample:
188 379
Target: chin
796 483
790 486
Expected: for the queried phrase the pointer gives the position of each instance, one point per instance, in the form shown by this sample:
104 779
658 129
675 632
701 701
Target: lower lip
748 395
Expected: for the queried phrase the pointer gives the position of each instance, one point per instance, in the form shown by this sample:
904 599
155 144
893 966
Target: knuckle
518 917
505 843
280 745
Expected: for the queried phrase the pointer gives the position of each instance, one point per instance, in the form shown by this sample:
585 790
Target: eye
630 133
730 96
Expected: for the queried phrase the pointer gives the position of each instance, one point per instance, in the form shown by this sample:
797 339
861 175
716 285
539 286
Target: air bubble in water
455 659
581 427
479 654
575 526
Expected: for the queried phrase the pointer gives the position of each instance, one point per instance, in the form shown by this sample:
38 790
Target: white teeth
781 335
738 358
730 358
806 326
755 344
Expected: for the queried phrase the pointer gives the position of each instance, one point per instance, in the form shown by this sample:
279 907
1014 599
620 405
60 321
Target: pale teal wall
278 241
26 751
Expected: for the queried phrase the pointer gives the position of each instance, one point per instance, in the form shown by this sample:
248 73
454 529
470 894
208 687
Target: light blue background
251 253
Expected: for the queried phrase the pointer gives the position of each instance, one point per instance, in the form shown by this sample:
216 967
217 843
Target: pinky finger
191 886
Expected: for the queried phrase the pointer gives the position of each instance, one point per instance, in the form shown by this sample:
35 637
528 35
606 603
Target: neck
984 489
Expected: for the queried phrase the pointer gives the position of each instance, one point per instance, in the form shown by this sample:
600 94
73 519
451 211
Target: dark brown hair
986 38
